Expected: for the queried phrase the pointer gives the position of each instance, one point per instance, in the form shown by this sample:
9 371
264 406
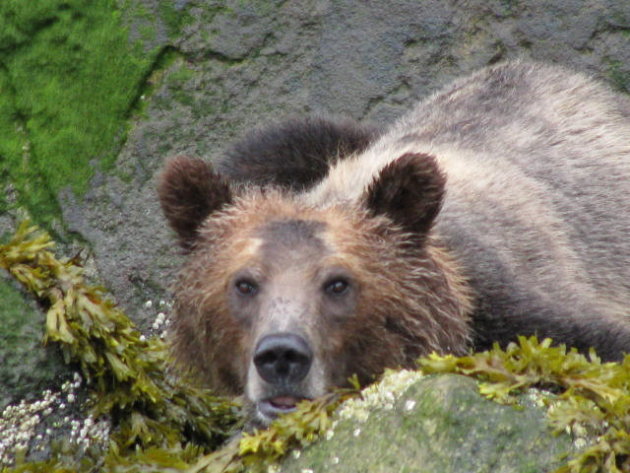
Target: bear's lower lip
275 406
284 402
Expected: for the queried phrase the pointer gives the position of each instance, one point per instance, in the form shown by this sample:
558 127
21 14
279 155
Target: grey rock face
26 365
241 65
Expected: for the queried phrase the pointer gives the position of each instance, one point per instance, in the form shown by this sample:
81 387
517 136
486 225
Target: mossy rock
26 365
440 423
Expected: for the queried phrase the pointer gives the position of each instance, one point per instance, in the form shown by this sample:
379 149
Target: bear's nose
283 358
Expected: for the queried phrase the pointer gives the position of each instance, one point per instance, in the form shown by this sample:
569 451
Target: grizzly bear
497 207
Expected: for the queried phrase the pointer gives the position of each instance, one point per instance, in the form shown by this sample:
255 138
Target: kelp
162 423
165 424
261 450
127 373
588 398
585 397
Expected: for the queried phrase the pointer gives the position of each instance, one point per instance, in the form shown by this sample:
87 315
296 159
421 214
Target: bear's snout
283 358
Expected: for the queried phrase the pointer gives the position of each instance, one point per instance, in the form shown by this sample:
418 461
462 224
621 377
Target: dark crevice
233 61
161 61
222 58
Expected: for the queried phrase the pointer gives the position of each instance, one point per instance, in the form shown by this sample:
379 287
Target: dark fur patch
189 191
290 232
284 239
294 154
409 191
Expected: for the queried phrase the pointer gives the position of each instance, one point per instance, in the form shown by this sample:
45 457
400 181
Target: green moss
592 398
175 17
176 81
68 79
162 64
27 366
172 69
619 75
428 424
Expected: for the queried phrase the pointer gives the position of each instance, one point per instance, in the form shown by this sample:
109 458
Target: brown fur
189 190
404 312
497 207
407 296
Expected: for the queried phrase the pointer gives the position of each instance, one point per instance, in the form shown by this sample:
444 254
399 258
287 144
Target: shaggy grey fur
537 207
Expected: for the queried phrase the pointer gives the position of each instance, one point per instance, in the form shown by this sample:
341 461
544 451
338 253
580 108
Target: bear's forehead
277 229
292 231
291 238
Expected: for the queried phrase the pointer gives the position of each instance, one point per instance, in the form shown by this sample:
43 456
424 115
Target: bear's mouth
274 406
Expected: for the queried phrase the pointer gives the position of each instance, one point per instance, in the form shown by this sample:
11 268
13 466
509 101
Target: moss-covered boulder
550 409
435 423
26 365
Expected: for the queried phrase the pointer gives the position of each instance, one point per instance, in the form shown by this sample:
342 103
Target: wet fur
394 323
496 207
537 161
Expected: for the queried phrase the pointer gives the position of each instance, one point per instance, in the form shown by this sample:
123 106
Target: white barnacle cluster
161 322
579 433
89 431
381 395
19 424
29 425
274 468
538 398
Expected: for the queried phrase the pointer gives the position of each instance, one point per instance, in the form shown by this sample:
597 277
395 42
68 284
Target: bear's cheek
360 344
223 343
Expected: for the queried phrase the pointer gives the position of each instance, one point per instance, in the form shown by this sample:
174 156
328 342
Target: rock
26 365
237 66
187 77
439 423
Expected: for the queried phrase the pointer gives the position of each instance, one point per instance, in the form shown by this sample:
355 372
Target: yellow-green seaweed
591 398
127 373
154 412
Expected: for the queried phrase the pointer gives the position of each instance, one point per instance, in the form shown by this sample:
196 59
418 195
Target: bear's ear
409 191
189 191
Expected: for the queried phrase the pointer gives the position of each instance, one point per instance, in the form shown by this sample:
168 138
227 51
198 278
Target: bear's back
537 161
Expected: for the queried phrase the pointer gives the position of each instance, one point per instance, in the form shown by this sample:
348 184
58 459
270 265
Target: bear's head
282 300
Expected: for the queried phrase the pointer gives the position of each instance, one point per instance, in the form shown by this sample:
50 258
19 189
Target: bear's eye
246 287
336 287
